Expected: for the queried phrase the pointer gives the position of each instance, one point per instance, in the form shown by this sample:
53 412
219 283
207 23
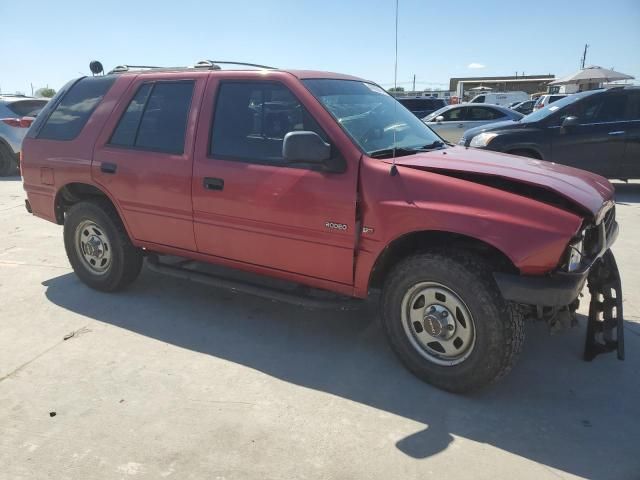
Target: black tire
8 162
125 259
498 326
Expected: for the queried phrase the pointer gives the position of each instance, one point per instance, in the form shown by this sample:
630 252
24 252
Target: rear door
143 157
252 208
597 144
630 167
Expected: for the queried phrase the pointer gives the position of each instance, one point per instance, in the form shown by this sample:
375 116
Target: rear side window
482 113
156 118
74 109
26 108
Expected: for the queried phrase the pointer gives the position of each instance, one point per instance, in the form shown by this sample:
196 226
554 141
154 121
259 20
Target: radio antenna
394 169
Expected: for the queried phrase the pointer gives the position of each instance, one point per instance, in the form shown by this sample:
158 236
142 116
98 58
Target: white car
452 121
505 99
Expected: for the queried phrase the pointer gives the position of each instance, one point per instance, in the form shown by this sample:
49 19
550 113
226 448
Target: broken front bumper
559 289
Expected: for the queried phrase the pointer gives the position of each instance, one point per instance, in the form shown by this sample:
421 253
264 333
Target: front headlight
483 139
576 252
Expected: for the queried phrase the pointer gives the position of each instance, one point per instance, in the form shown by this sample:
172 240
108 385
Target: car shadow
553 408
627 192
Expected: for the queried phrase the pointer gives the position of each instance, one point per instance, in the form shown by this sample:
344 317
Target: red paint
271 220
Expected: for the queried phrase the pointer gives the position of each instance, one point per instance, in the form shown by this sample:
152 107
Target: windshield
372 117
552 108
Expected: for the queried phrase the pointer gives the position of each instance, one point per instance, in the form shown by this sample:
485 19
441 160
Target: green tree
45 92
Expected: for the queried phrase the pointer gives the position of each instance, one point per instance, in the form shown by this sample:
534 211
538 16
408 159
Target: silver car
16 114
452 121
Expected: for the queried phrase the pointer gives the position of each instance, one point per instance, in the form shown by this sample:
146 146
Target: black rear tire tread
127 259
8 161
493 356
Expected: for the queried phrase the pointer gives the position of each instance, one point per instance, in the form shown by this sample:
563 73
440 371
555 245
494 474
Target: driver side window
252 118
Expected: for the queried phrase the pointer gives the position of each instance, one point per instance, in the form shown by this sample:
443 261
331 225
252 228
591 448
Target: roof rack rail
213 64
126 68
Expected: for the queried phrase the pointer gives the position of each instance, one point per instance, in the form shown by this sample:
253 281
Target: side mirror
570 122
305 147
439 119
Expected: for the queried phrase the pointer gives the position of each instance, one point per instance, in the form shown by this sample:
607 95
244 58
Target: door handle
460 125
617 132
107 167
213 183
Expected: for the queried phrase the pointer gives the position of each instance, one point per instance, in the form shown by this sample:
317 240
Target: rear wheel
99 248
8 164
447 322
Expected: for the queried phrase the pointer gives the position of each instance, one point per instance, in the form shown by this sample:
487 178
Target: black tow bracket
605 327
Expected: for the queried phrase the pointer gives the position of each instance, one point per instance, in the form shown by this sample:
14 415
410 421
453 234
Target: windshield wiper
389 152
431 146
402 151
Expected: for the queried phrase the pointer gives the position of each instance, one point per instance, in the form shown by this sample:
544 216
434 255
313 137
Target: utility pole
414 83
584 56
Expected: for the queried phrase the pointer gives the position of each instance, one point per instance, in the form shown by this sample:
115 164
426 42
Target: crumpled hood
585 189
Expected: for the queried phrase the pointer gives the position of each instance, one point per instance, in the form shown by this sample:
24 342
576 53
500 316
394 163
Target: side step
297 295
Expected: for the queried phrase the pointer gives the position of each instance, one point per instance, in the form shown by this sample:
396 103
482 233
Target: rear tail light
24 122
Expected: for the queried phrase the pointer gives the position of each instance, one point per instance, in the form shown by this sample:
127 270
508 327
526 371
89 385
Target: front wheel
99 248
447 322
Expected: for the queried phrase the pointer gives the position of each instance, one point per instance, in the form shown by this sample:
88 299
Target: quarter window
156 118
251 120
74 109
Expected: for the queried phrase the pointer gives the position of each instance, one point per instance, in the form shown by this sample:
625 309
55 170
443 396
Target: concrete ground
177 380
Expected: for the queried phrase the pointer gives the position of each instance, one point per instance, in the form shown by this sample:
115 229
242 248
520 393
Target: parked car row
596 130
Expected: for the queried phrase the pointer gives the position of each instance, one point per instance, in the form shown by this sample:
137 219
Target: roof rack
213 64
201 65
126 68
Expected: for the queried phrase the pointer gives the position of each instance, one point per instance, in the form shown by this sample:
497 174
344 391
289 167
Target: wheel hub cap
93 247
438 323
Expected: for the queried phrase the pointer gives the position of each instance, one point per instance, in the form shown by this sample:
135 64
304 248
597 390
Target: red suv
326 181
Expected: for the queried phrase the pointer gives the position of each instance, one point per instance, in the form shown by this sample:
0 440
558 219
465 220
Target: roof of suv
212 66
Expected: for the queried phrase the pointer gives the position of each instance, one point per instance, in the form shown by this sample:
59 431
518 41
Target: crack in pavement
29 362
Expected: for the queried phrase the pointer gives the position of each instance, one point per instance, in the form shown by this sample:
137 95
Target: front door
597 143
250 206
451 127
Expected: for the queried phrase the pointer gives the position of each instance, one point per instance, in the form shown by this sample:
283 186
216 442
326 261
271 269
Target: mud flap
605 327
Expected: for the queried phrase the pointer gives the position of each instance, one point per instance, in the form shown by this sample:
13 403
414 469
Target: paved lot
177 380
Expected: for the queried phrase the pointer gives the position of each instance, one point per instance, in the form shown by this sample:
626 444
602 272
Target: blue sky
49 42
